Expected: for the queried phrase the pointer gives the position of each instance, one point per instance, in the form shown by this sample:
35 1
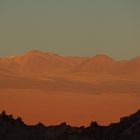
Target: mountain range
43 63
36 69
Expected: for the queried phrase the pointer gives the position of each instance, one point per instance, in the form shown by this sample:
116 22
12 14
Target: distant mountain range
42 64
15 129
42 70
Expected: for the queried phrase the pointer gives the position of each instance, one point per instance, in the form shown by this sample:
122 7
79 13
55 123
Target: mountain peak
34 52
40 53
3 113
102 57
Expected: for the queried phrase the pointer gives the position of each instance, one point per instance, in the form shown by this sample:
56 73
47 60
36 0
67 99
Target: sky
71 27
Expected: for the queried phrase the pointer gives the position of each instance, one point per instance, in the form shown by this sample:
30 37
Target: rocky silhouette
15 129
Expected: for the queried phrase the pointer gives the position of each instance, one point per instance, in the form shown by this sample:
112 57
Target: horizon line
54 53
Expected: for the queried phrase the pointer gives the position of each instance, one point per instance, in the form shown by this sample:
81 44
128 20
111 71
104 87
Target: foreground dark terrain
15 129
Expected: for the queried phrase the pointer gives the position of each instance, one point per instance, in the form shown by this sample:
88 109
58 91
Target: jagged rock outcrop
15 129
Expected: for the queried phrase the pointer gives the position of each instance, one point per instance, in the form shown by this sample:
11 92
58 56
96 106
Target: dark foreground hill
15 129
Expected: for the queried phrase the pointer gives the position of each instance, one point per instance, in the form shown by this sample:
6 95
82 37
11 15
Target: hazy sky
71 27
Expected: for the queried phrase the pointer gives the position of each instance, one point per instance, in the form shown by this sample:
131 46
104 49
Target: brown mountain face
47 71
104 65
36 62
70 73
76 60
100 64
70 70
42 63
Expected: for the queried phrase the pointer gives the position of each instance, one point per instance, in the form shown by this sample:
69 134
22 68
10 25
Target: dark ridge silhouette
15 129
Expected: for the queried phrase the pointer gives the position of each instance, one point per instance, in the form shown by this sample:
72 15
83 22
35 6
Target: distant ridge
43 63
42 70
127 129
